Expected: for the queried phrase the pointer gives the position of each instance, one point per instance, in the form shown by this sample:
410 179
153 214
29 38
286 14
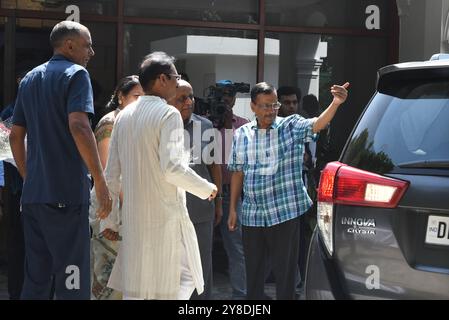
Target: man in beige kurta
159 256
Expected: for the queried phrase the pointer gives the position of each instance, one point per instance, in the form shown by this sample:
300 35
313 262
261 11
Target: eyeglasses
267 106
183 99
176 76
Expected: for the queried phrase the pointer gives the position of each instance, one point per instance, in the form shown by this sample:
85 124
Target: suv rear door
401 252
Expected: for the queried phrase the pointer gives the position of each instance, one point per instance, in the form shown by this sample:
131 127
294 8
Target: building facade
310 44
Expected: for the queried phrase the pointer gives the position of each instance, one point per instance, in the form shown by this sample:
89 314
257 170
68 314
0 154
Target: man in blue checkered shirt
266 160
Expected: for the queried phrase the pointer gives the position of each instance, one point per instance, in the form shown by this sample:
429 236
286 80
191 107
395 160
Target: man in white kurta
159 256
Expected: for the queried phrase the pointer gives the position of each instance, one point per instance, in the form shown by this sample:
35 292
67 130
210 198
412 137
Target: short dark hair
261 88
124 86
288 90
153 65
63 30
184 76
311 105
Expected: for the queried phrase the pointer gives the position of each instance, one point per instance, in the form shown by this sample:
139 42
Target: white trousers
187 285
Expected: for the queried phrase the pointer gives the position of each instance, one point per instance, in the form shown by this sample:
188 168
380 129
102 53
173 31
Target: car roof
411 70
431 64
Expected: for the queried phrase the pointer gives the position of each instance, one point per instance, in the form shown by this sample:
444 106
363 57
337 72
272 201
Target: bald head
184 100
183 83
72 40
64 30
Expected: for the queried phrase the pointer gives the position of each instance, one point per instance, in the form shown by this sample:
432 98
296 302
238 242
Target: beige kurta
147 160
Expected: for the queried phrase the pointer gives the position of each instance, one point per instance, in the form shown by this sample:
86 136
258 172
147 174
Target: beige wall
422 28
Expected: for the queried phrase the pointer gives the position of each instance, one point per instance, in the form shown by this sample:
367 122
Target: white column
444 46
423 28
309 58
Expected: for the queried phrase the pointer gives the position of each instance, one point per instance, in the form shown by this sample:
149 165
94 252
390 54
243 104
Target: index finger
346 85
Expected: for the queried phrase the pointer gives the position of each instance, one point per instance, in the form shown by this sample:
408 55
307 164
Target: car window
407 124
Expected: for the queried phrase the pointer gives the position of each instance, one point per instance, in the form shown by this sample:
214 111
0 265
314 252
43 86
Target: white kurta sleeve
174 160
113 181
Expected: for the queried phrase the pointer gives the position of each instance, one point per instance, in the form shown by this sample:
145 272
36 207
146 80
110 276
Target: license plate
437 230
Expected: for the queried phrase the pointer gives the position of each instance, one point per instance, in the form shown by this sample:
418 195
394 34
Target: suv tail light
342 184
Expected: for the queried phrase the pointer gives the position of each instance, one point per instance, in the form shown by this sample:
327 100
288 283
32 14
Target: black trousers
15 243
204 232
57 251
280 243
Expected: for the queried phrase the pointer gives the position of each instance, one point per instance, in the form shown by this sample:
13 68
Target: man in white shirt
159 256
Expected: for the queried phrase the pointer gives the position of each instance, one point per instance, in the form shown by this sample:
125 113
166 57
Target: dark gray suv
383 208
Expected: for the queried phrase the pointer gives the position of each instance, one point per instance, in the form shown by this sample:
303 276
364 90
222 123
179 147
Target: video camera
213 106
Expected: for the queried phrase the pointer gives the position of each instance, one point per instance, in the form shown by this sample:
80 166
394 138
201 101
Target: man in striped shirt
266 160
159 256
